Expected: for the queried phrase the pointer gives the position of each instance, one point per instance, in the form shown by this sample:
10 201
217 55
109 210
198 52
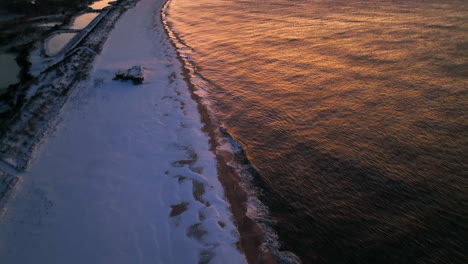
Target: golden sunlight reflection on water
100 4
346 108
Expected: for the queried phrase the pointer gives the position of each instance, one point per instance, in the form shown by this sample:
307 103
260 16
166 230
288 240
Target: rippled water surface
354 113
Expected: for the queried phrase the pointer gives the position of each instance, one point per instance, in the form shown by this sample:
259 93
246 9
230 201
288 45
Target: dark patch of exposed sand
181 178
198 190
197 232
178 209
191 159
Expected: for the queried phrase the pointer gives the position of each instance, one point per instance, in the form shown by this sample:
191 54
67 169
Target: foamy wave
256 210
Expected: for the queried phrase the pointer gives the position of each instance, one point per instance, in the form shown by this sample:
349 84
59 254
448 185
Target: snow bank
127 175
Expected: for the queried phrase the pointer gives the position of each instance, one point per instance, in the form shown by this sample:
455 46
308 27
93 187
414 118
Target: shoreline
251 235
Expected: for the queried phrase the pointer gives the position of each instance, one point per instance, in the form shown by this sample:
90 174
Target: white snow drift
126 176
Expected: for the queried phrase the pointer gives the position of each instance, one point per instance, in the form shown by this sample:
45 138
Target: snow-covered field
126 176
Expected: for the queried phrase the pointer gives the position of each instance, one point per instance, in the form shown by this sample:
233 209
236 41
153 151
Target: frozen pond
82 21
9 70
56 43
100 4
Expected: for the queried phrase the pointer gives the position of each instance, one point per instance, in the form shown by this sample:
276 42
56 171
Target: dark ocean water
355 114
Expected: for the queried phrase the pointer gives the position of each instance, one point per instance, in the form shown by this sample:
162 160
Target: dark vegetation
20 29
23 119
43 7
18 35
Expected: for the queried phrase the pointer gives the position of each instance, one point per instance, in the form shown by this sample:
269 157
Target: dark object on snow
135 74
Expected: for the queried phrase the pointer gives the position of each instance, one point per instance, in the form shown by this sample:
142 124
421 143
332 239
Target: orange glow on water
100 4
335 102
340 70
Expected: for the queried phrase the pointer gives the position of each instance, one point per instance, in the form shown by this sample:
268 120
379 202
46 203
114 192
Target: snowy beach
126 175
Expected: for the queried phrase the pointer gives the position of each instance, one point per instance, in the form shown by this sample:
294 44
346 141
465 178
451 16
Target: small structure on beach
135 74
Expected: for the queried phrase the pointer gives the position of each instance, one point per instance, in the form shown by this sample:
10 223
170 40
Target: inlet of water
9 72
101 4
82 21
57 42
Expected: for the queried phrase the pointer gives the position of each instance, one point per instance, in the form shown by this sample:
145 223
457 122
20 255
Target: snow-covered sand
126 176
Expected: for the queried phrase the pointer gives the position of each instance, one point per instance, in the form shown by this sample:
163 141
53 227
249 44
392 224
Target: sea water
354 114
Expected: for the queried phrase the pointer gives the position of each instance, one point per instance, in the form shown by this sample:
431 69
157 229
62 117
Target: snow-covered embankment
127 175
